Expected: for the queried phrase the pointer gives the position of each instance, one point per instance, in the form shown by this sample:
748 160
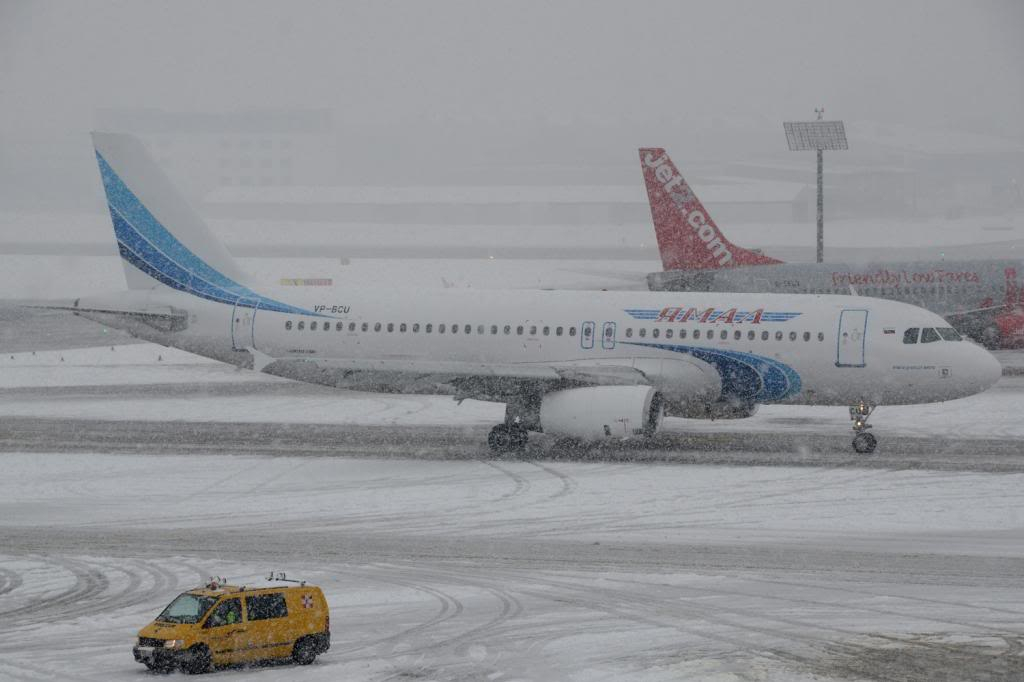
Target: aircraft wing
465 379
981 314
162 317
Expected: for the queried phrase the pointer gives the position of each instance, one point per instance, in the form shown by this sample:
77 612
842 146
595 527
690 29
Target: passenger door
587 336
243 324
850 346
226 634
608 336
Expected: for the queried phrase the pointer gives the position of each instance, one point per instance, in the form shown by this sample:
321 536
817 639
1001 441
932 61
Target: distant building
247 148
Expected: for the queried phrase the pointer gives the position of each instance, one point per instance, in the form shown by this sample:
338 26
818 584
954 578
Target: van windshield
186 608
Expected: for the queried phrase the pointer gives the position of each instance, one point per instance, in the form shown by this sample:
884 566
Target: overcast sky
942 62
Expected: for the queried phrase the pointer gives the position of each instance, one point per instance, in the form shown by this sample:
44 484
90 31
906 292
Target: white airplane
575 364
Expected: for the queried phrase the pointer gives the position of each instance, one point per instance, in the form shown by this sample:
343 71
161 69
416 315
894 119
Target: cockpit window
910 336
949 334
929 335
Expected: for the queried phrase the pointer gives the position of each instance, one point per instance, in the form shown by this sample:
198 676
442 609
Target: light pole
818 135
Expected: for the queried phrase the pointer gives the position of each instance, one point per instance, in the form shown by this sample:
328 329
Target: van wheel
199 662
304 652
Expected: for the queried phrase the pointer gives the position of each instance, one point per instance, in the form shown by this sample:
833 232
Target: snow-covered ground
525 571
480 569
993 414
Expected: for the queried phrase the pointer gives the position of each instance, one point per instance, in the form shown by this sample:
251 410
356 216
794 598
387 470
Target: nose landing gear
863 442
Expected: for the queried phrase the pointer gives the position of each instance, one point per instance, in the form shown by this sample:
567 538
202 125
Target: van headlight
173 643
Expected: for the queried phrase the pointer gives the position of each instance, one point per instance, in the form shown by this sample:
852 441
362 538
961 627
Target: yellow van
220 624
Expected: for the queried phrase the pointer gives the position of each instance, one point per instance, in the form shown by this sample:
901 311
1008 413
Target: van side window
228 612
266 606
910 336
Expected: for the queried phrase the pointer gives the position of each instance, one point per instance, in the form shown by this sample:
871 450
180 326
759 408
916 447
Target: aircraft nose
986 369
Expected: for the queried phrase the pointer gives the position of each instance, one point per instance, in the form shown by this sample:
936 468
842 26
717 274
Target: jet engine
599 412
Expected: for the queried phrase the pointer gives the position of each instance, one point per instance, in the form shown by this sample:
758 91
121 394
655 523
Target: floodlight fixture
813 135
817 136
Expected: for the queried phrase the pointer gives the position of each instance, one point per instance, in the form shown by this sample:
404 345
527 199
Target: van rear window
266 606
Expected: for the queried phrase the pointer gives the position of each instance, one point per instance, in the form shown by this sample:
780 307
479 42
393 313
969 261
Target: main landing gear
863 442
507 438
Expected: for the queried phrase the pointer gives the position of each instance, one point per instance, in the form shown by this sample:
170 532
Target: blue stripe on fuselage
744 375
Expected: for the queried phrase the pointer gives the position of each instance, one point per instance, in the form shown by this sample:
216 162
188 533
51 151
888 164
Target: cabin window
821 336
415 327
682 333
391 327
655 333
338 327
519 330
778 336
440 329
402 327
910 336
737 335
642 332
792 336
376 327
507 329
427 328
572 331
480 329
312 326
327 326
764 336
288 324
929 335
494 329
468 329
668 333
455 329
807 336
751 335
366 326
629 332
723 335
696 333
533 330
547 331
302 325
558 331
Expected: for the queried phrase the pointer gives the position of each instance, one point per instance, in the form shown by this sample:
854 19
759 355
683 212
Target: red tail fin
687 236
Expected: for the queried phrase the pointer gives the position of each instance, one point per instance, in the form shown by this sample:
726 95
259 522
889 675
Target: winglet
688 238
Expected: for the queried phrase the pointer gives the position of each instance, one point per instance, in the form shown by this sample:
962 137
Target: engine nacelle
599 412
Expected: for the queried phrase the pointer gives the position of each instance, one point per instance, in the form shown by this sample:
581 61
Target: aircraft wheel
499 439
517 438
864 443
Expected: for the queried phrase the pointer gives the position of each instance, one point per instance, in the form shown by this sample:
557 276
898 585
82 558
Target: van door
226 634
243 324
850 346
270 631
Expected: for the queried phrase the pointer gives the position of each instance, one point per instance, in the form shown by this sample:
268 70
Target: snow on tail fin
160 237
688 238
